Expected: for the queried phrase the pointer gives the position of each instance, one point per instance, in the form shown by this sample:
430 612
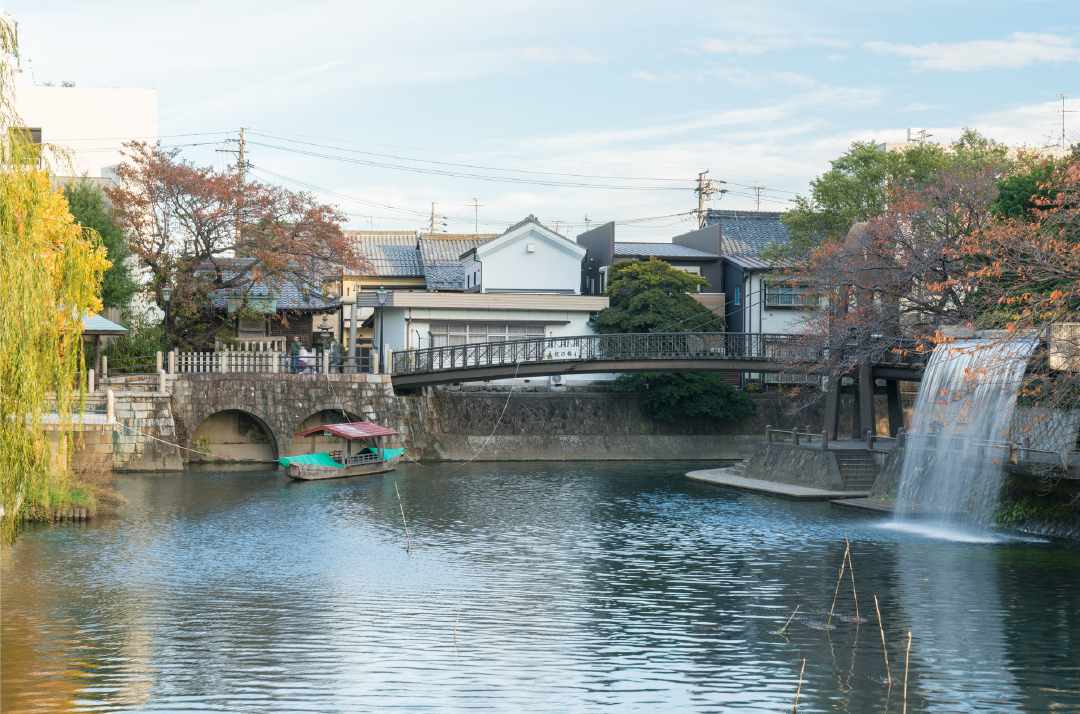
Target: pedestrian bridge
652 352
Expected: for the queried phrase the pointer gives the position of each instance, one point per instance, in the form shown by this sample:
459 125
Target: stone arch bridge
279 403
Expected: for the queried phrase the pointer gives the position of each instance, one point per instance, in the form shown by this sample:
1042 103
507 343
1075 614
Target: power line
522 158
459 174
482 168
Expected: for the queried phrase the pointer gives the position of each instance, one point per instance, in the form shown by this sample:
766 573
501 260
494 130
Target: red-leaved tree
208 234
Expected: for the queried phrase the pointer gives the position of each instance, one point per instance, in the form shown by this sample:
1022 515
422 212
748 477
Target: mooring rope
492 434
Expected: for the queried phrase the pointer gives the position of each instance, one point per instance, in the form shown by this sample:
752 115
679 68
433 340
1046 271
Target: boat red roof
351 430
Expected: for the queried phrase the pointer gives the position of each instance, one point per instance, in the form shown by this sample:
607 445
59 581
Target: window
789 296
446 334
33 138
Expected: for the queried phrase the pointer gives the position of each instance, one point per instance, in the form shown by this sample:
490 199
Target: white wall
512 268
93 123
398 324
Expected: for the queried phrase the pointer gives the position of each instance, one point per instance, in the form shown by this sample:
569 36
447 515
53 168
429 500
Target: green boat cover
320 459
323 459
387 454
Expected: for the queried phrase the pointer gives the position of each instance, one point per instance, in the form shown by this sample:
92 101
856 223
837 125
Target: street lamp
381 297
166 293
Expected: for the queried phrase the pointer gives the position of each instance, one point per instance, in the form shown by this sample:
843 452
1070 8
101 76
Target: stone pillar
223 366
90 380
856 415
161 379
104 366
824 441
274 359
832 408
158 361
768 433
110 407
896 407
172 362
866 396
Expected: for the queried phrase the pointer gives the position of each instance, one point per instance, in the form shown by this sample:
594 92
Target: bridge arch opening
318 442
233 434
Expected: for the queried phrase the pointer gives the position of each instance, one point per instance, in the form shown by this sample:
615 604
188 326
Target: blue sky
638 97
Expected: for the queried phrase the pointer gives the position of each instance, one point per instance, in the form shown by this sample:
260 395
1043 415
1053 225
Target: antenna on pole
704 191
476 216
1063 111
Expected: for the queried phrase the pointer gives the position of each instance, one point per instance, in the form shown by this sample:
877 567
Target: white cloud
745 46
755 79
759 45
1018 50
554 54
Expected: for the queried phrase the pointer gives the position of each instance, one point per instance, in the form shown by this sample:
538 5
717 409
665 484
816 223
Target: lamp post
166 293
324 327
381 296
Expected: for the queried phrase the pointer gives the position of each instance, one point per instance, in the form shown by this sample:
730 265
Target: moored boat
374 459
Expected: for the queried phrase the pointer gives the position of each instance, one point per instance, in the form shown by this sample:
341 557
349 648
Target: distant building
92 123
528 258
521 284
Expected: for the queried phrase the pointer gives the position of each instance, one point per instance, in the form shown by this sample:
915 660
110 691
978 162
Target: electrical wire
460 174
483 168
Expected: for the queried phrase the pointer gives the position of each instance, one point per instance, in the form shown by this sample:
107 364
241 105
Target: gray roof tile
745 233
392 255
661 250
440 255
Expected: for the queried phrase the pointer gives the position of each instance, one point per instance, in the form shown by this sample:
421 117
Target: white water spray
959 444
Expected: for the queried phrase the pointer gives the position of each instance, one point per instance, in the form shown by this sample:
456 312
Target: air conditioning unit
556 380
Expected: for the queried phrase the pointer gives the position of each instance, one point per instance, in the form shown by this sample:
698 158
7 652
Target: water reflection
582 587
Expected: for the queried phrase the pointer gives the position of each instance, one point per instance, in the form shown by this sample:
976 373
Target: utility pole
432 230
704 191
757 195
241 164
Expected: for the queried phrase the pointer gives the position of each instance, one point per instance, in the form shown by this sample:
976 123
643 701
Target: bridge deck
658 352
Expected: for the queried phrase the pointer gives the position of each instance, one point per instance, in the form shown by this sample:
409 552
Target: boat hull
308 472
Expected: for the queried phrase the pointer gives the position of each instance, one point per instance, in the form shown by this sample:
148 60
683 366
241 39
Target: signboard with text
562 352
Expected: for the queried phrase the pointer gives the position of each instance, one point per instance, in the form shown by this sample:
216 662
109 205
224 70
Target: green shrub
668 396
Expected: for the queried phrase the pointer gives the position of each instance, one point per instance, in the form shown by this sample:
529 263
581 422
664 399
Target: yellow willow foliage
50 272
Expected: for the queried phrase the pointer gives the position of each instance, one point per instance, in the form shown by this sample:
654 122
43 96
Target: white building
91 123
519 285
528 258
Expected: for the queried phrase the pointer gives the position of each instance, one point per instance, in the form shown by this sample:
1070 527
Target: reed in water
408 539
884 649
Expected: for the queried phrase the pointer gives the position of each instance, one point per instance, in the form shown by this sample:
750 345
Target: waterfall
956 455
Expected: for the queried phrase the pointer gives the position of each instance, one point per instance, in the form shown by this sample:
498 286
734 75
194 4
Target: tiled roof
745 233
749 262
288 292
392 254
440 255
661 250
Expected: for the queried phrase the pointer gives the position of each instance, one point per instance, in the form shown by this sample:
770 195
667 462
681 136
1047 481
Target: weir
960 442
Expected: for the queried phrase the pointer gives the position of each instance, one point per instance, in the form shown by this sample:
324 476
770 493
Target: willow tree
50 271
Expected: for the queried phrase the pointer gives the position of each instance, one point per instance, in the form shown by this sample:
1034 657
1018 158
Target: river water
581 587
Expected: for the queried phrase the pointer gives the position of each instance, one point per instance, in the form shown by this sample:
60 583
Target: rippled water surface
581 587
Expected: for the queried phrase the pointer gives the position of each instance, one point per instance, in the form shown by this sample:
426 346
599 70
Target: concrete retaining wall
578 425
783 463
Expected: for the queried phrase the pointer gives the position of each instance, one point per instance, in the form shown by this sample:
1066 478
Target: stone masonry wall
576 425
281 402
144 436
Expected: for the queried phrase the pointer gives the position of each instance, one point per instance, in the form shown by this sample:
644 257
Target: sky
576 112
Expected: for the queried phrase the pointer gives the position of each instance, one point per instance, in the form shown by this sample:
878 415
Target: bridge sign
569 352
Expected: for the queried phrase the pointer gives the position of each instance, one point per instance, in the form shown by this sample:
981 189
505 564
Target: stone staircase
738 469
129 382
857 469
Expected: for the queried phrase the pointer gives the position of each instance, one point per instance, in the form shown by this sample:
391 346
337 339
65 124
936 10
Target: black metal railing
654 346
